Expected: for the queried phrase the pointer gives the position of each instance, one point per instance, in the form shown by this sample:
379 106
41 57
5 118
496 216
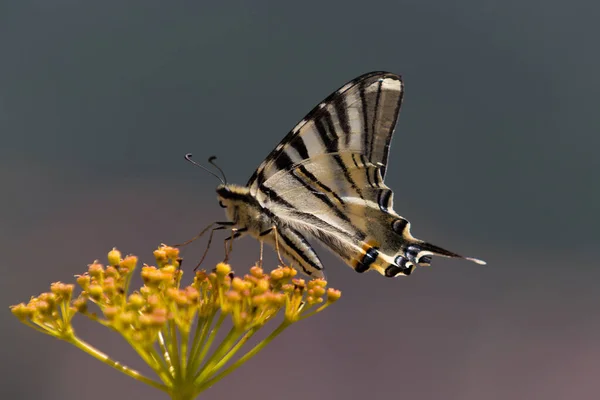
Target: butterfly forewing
359 117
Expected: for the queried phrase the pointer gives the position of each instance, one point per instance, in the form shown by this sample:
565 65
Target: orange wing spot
368 245
367 256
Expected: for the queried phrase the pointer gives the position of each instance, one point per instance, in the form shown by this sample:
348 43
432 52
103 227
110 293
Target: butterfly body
324 181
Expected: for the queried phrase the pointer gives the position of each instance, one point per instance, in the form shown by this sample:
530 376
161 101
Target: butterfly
325 181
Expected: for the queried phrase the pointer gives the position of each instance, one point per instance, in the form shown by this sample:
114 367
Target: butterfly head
224 196
231 197
228 195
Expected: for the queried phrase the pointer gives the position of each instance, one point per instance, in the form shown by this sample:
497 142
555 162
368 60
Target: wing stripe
323 197
311 218
283 161
363 109
298 251
383 199
354 159
327 143
374 119
322 131
364 162
300 147
344 169
339 103
377 182
330 126
317 182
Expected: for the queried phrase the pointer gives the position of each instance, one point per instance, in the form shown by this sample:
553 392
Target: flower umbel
173 328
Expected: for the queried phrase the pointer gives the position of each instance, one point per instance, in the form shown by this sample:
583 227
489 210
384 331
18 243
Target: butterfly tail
421 253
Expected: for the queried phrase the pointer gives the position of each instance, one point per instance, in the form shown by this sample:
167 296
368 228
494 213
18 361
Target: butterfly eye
222 205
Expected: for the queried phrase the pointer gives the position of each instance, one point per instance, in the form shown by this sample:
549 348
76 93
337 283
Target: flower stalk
173 328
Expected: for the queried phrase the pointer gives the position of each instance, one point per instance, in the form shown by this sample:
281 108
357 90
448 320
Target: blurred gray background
495 156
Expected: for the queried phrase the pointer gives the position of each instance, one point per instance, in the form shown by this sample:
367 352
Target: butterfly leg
198 236
261 254
235 233
277 245
275 234
208 245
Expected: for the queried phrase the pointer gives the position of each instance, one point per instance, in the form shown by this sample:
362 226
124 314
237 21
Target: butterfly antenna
211 160
188 157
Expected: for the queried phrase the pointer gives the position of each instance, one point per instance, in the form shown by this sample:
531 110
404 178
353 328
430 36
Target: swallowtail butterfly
325 181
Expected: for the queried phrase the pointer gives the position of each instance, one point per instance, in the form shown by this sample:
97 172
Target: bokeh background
495 156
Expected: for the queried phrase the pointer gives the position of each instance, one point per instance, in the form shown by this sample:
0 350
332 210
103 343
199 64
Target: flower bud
136 301
222 269
256 272
129 263
333 295
95 292
96 270
83 281
114 257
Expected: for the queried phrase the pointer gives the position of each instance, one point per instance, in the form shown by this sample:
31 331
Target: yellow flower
174 328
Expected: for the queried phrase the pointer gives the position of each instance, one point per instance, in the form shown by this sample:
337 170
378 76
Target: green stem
199 338
127 283
310 314
66 314
174 346
156 362
149 355
86 347
185 336
44 328
234 349
165 353
206 346
219 353
208 383
183 393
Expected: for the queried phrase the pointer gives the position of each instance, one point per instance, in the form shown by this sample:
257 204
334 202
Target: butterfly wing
359 117
357 222
325 179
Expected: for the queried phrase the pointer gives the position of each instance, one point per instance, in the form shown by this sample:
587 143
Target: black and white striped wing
356 221
342 201
325 180
357 118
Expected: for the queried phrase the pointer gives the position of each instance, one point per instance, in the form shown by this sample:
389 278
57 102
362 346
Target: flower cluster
173 328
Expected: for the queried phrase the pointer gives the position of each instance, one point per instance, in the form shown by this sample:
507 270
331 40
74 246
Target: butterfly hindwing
355 220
